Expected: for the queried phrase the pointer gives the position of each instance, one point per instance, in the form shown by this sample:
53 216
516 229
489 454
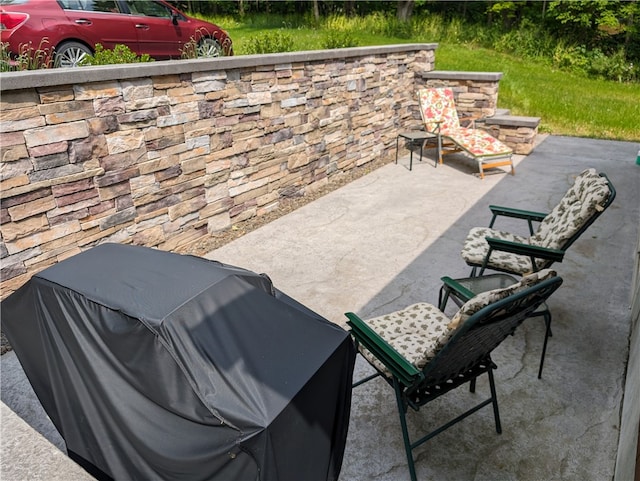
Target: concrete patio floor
382 243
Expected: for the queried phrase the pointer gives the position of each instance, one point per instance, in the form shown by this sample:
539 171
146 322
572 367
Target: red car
70 29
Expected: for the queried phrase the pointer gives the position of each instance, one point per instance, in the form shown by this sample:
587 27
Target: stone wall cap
514 120
461 75
101 73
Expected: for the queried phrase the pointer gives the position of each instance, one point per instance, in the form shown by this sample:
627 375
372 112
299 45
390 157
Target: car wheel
70 54
209 47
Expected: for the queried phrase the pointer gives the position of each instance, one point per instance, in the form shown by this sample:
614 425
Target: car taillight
12 20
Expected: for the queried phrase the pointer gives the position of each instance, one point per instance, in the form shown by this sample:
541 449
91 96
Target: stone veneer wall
162 154
476 96
476 93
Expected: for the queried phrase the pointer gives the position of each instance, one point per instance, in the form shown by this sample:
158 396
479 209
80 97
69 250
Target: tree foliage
610 28
593 21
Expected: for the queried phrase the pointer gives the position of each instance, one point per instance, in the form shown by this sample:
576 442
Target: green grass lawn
568 104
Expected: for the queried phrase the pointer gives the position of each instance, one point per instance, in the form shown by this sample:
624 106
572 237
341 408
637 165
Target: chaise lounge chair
440 117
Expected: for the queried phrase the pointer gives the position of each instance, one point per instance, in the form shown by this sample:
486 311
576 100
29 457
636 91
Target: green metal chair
422 354
464 289
488 248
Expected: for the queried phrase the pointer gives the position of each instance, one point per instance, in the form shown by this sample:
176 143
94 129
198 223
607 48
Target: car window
150 9
110 6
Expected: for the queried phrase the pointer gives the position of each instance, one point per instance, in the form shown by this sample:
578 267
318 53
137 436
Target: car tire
70 54
209 47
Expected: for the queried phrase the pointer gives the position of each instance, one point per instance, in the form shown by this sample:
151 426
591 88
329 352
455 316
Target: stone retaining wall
165 153
517 132
476 95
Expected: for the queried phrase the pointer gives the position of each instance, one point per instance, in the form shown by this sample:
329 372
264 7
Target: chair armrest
528 215
472 119
535 252
518 213
449 286
382 350
461 291
438 123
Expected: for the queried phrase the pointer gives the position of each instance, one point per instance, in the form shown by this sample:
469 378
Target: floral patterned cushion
585 198
485 298
437 106
417 332
477 143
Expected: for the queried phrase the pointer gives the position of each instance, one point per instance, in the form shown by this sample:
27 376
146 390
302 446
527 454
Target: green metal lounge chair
513 254
584 202
462 290
422 354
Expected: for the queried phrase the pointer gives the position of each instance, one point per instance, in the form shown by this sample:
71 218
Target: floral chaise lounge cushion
439 113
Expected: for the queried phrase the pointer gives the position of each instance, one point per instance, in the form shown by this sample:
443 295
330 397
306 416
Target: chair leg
547 334
485 262
402 411
494 401
397 145
443 297
366 379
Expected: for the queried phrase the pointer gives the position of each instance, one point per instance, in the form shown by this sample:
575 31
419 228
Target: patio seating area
384 242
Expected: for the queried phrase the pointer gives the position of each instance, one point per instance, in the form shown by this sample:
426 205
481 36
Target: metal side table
415 138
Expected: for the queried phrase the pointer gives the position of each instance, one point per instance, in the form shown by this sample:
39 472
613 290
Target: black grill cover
155 365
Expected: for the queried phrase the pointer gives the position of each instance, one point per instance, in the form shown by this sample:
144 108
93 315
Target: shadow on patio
383 242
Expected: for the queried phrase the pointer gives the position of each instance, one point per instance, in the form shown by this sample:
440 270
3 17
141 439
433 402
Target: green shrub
570 57
270 42
189 49
337 39
375 23
396 28
5 58
435 28
528 41
339 23
119 54
612 67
